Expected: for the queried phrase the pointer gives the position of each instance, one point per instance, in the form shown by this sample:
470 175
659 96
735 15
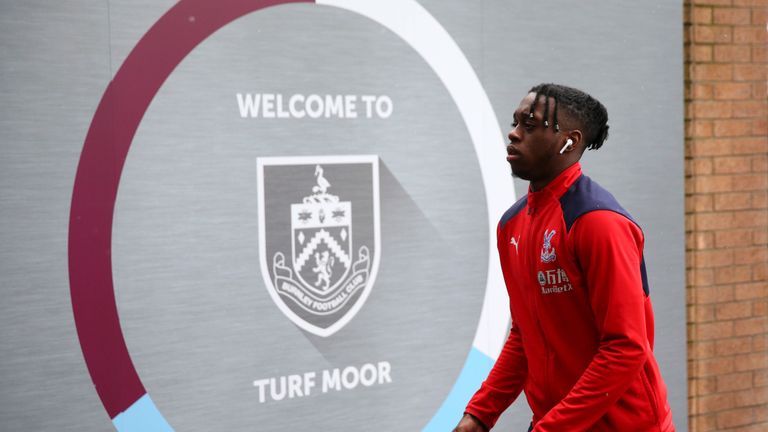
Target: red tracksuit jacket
581 342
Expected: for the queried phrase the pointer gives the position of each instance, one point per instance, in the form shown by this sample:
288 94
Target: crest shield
315 270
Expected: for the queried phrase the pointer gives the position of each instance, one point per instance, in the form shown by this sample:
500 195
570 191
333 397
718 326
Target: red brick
714 221
704 240
705 165
753 361
733 90
734 381
699 203
732 53
750 326
735 417
733 274
712 72
760 273
728 311
711 109
713 258
760 236
750 396
749 291
740 345
760 233
744 34
760 163
759 90
711 2
747 219
732 164
749 145
750 255
701 91
733 238
714 34
714 330
731 16
721 146
688 130
749 182
749 3
696 241
733 201
713 294
704 385
760 201
701 277
713 183
702 423
749 109
760 127
760 342
759 54
687 34
712 403
761 378
749 72
760 15
714 366
701 15
700 129
701 54
705 349
761 417
702 314
732 128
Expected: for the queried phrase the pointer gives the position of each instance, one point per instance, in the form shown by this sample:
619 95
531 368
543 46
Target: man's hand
469 423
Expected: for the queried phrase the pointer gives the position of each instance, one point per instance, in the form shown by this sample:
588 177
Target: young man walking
581 342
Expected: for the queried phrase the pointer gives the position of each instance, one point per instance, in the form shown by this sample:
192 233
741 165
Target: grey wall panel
54 67
196 315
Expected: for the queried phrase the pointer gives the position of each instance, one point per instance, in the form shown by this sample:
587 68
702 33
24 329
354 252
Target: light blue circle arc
144 416
475 370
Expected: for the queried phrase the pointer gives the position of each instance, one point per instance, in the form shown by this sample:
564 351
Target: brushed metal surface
197 319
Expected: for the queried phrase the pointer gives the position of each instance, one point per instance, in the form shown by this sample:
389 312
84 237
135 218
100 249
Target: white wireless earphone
567 145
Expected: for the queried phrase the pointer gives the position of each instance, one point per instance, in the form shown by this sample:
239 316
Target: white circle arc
414 24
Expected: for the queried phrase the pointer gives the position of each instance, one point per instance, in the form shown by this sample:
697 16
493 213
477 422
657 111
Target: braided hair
588 111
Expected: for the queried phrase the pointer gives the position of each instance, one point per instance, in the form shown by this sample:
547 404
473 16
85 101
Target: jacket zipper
536 298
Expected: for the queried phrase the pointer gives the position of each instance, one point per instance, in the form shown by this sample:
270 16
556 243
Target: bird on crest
322 183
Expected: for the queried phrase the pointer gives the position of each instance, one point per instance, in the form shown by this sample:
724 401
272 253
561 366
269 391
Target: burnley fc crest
319 236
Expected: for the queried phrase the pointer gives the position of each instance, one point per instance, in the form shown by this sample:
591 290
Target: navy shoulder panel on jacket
585 196
514 210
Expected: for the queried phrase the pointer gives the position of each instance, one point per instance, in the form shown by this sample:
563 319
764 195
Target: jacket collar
556 188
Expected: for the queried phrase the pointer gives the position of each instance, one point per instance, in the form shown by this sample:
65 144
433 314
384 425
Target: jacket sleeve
504 382
609 249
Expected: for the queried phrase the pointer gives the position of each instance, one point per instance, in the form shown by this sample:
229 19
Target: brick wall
726 152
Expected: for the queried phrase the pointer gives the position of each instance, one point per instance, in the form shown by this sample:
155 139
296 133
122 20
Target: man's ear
577 137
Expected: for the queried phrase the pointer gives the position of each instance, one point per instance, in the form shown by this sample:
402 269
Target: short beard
521 176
